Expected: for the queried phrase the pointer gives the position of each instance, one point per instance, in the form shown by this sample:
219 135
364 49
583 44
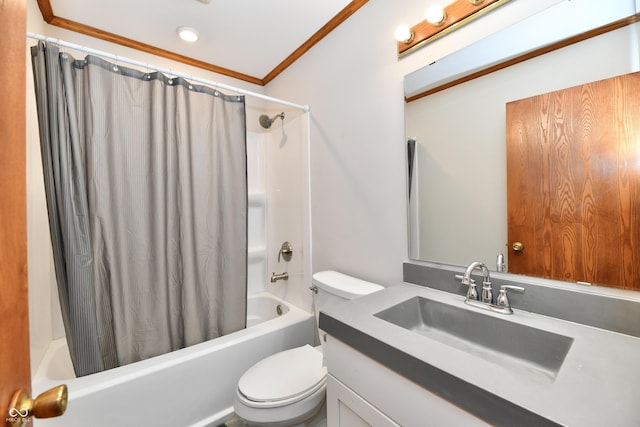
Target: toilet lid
283 376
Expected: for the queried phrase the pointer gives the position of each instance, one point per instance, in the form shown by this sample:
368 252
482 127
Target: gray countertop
598 383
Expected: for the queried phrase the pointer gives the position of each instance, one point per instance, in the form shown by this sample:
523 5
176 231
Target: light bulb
403 33
436 15
188 34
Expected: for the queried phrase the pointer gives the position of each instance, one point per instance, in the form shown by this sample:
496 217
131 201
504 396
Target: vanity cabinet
363 392
406 352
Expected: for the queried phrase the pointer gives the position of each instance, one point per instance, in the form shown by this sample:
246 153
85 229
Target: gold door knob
518 247
48 404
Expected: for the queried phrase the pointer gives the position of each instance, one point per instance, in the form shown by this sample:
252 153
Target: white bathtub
190 387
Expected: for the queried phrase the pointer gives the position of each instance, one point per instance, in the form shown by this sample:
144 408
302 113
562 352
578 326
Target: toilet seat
283 378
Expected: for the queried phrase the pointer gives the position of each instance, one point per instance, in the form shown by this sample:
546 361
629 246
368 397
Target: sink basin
534 352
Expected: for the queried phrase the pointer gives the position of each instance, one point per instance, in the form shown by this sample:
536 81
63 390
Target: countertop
598 383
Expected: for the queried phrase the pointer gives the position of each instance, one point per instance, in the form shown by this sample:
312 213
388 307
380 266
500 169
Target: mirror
457 202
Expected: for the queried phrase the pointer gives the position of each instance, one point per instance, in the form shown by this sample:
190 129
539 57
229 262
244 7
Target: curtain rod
189 77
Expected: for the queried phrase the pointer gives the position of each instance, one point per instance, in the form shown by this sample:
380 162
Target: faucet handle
503 300
472 293
286 251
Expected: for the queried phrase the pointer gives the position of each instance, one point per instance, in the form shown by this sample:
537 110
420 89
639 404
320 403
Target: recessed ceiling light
188 34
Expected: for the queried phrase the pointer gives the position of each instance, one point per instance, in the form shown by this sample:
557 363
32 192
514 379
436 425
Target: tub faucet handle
286 250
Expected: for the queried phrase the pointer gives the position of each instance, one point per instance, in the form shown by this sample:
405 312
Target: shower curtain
146 187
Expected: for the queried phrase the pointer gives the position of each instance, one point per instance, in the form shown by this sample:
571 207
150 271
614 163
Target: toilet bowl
282 389
289 387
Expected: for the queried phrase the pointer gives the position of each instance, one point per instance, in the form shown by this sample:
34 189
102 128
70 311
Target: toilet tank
334 288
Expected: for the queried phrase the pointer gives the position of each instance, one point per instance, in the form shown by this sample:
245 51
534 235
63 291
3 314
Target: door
573 183
14 318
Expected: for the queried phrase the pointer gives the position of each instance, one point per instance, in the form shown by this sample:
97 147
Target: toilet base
311 412
319 419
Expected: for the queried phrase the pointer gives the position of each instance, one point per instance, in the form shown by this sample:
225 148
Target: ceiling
252 40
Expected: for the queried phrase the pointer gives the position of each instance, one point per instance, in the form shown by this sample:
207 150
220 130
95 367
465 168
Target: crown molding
50 18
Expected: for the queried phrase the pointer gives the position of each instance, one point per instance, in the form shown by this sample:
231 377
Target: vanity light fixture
440 21
404 34
436 15
188 34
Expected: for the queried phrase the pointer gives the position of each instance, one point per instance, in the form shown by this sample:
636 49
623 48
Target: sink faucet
486 300
487 292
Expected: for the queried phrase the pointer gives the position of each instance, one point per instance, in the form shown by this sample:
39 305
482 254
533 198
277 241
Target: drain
279 309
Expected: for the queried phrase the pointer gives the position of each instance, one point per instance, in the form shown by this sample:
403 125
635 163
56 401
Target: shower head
266 122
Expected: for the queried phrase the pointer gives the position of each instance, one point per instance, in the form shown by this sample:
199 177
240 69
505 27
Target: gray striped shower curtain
146 186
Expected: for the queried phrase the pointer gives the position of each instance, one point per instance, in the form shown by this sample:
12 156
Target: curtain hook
61 51
148 76
190 78
115 67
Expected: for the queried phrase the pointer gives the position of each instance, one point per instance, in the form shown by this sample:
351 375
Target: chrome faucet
486 300
487 292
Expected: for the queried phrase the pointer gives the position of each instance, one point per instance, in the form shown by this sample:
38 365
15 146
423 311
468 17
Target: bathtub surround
161 219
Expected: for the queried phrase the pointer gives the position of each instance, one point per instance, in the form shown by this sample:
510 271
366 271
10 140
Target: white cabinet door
346 409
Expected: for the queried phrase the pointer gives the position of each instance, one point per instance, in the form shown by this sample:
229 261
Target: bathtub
191 387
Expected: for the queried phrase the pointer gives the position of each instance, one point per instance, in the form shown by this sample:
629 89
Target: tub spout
282 276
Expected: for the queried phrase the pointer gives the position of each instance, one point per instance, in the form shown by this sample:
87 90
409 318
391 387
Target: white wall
353 82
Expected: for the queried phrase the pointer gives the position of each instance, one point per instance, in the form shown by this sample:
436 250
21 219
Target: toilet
288 388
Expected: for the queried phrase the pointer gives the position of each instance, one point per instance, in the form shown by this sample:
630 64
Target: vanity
417 355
